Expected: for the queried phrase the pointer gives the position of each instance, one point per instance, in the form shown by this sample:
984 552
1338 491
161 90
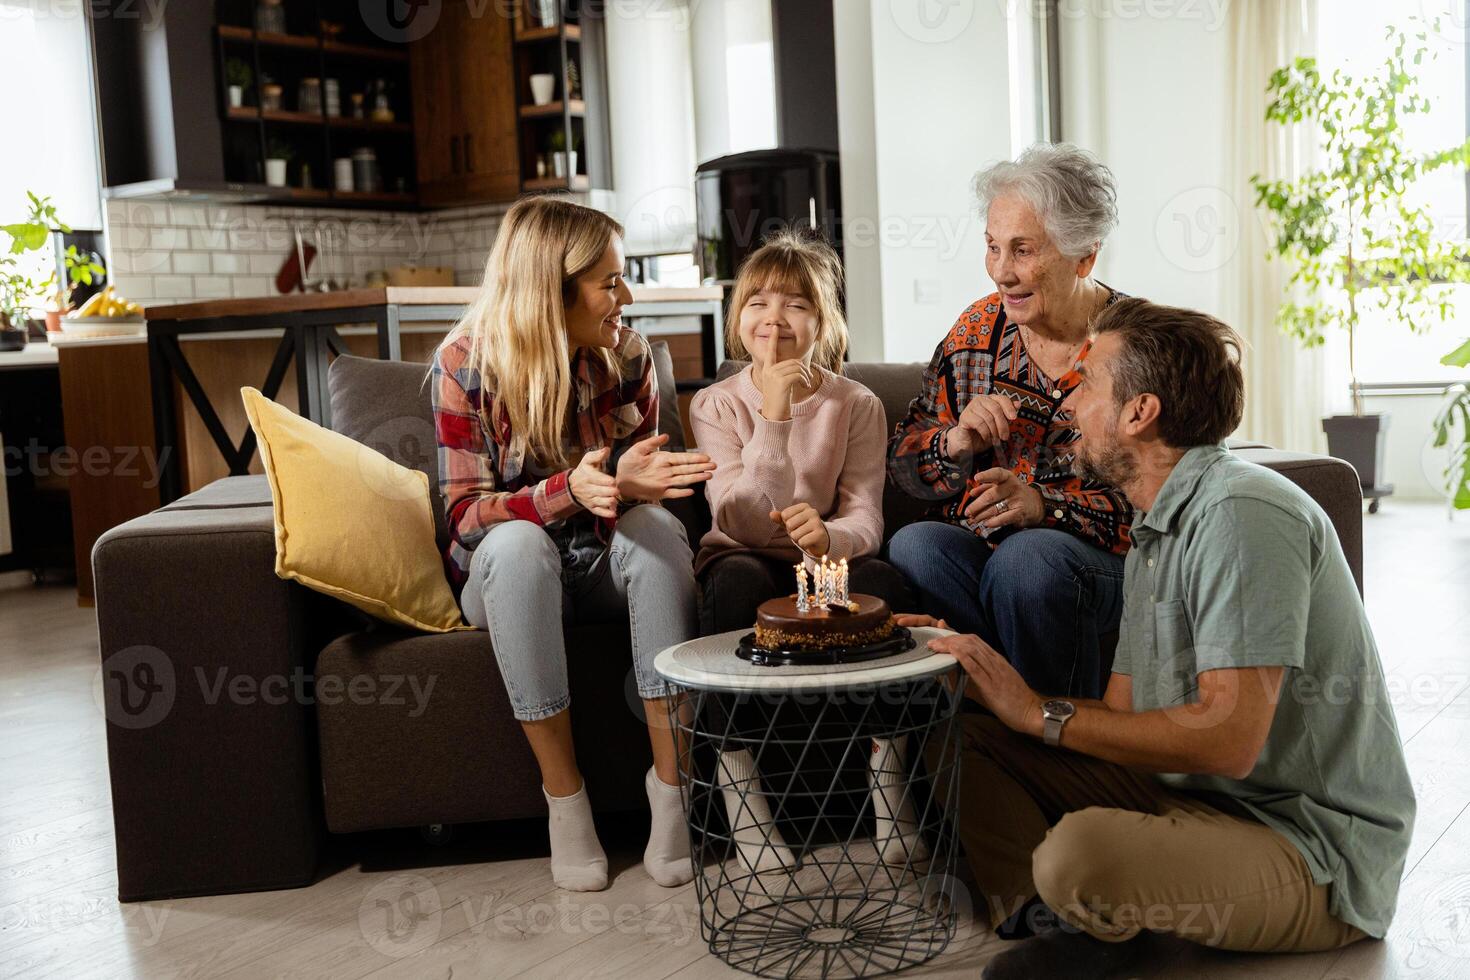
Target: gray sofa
286 715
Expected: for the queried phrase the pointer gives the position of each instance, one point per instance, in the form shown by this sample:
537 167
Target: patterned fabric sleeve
468 464
916 460
1097 516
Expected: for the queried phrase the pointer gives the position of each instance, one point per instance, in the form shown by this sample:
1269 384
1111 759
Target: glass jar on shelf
309 96
270 17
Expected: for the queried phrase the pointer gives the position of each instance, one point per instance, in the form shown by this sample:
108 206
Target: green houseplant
1452 430
1347 229
18 291
238 77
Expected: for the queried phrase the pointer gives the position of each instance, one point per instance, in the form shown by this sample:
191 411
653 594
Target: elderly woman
1027 555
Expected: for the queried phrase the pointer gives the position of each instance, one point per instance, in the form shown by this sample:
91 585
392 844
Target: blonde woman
800 454
546 411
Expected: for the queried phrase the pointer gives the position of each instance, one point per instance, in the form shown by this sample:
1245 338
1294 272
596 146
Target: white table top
730 673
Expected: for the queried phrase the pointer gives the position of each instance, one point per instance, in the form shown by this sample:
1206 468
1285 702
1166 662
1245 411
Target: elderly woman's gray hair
1069 189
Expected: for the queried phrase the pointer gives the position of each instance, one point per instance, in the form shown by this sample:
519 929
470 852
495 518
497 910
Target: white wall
734 76
651 91
1144 87
928 85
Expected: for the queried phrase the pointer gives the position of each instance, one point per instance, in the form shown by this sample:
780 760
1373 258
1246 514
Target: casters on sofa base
437 834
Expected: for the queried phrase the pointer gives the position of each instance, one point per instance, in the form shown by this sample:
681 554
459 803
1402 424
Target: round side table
823 853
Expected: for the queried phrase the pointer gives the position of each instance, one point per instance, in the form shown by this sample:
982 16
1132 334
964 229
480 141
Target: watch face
1057 708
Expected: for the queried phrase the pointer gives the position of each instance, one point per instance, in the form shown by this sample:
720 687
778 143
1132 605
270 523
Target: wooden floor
487 907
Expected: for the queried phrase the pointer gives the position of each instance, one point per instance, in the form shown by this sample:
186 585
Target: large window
1352 36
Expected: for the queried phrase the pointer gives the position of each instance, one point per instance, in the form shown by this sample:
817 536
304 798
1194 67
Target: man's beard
1110 465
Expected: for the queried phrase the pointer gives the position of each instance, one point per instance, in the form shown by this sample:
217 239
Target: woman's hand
804 525
1006 502
778 381
986 421
646 472
592 488
994 682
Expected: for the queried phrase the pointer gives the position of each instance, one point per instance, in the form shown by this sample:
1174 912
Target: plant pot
237 96
275 173
543 88
544 12
1359 439
53 321
12 339
559 164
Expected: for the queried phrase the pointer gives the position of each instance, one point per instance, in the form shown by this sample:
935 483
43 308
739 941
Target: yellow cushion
350 522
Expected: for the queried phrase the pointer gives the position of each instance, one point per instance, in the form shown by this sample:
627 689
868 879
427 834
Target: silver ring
1000 505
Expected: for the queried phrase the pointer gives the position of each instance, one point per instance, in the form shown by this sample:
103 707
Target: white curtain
1284 382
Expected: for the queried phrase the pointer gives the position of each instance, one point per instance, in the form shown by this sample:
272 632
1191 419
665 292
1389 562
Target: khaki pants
1114 851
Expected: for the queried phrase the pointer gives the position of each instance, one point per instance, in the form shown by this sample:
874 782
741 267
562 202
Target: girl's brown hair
799 263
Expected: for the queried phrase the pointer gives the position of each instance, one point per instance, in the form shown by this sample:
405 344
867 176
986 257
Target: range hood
158 114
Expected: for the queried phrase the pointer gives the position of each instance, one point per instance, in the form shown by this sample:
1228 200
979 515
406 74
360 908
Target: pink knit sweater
830 454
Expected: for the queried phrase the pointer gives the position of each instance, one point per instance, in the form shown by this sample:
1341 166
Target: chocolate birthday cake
863 620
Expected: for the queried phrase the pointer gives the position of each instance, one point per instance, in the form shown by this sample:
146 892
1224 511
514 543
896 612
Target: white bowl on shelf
104 326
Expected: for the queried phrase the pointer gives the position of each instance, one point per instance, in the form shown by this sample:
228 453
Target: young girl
799 451
538 373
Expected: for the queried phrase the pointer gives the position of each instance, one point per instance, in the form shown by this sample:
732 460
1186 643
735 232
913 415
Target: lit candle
842 582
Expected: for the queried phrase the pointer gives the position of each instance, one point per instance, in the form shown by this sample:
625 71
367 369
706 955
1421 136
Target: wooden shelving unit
314 139
576 119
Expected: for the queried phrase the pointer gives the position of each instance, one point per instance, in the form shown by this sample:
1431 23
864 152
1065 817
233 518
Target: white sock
895 830
667 855
578 863
757 840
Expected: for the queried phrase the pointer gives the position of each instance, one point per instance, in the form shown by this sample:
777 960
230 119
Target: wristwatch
1057 712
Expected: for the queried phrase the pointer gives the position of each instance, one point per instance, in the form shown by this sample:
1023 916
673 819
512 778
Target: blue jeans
1042 597
515 591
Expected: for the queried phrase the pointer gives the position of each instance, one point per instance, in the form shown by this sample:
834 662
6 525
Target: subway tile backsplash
165 252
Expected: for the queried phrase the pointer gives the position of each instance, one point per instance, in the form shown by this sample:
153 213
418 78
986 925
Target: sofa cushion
349 522
442 745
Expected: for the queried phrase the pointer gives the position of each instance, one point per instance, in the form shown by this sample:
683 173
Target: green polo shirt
1235 566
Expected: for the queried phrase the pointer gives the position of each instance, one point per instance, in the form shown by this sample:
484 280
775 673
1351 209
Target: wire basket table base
821 823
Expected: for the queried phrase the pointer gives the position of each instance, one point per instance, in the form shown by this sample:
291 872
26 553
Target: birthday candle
801 602
842 582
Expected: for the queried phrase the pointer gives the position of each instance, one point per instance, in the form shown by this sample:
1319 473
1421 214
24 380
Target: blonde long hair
800 263
517 327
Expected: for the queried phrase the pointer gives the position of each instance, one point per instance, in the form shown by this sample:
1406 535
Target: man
1241 782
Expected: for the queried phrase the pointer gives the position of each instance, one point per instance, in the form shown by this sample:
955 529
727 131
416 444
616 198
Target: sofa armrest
206 669
1333 484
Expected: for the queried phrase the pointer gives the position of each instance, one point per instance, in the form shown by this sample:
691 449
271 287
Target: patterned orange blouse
984 354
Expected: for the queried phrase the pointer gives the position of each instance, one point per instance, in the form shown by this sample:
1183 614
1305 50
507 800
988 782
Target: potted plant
1347 228
80 269
278 153
1452 430
238 77
556 143
17 291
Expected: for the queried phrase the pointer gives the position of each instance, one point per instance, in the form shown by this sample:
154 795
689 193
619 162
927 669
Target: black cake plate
900 642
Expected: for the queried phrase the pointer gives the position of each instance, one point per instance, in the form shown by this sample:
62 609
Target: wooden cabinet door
467 114
486 70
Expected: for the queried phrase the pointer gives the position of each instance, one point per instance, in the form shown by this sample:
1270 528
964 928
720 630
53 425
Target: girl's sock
757 840
578 863
896 831
667 855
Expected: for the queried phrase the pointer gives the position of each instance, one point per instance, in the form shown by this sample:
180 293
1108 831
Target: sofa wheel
437 834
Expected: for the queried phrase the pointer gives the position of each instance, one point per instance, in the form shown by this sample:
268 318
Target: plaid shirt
984 354
487 482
